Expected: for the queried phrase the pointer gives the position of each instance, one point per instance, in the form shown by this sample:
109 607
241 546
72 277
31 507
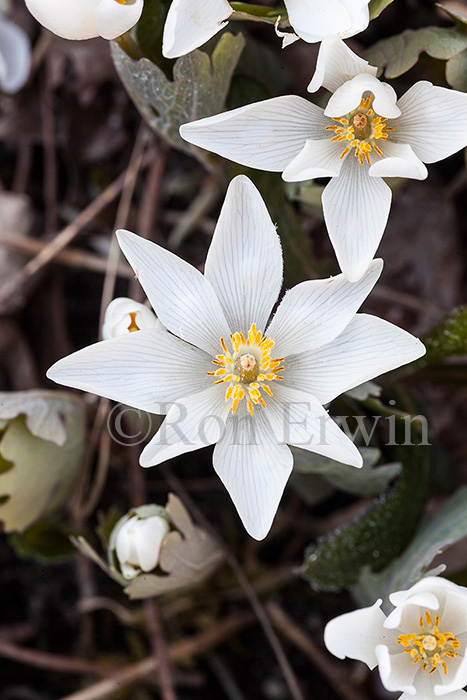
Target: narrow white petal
348 96
355 635
244 262
399 160
15 50
181 296
396 670
317 159
70 19
336 64
193 422
298 419
433 121
356 209
191 23
142 369
253 468
366 348
115 18
313 313
266 135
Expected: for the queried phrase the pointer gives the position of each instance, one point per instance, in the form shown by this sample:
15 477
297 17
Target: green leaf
399 53
456 71
448 338
47 542
457 13
377 6
199 89
380 535
437 533
44 469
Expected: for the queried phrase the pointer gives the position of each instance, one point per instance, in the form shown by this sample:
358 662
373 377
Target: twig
51 662
198 209
159 649
338 677
48 143
250 592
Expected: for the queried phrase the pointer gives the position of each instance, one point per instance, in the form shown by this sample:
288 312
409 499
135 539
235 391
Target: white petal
355 635
193 422
396 670
348 96
115 18
436 587
70 19
366 348
244 262
142 369
314 312
266 135
180 295
356 209
149 537
399 160
317 159
121 315
122 542
15 51
336 64
191 23
298 419
253 468
313 20
427 688
456 677
433 121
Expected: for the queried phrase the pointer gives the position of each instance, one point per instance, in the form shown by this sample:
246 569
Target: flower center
133 325
361 128
431 646
248 369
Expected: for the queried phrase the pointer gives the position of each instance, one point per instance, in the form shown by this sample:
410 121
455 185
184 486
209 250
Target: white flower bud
138 543
124 315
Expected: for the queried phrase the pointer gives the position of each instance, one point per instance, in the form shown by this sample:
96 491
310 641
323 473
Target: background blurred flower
15 56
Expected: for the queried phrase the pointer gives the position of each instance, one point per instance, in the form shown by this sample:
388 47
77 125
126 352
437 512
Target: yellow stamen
133 325
430 646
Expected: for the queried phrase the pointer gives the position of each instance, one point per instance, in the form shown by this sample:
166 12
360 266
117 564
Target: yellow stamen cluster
133 325
431 646
361 128
247 369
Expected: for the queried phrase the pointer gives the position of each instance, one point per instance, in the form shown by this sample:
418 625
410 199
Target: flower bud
124 315
138 543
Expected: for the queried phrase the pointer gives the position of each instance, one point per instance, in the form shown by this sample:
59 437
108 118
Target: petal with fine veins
317 159
191 23
180 295
433 121
313 313
399 160
115 18
266 135
356 634
366 348
140 369
356 209
254 469
348 96
192 422
244 262
336 64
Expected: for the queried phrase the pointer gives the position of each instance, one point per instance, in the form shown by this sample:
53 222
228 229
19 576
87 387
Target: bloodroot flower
224 374
364 134
420 647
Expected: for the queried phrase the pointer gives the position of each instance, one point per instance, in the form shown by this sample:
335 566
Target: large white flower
420 646
84 19
190 23
363 135
15 56
224 373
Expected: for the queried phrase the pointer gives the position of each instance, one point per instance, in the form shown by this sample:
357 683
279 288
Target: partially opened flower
313 20
124 316
15 56
420 647
137 539
84 19
363 135
224 374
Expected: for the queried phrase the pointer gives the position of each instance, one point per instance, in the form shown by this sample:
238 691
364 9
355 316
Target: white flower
313 20
362 135
124 315
224 374
420 647
15 56
84 19
190 23
137 542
